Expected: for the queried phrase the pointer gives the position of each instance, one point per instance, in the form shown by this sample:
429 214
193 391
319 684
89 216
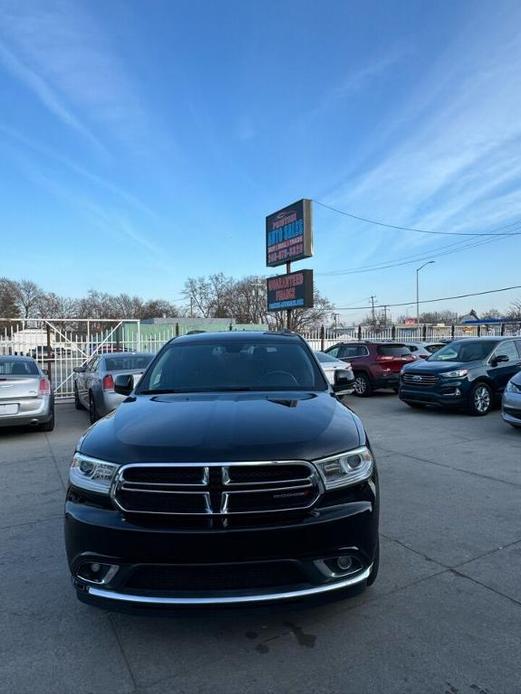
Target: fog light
96 572
344 563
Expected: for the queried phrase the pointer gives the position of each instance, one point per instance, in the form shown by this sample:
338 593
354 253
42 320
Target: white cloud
64 56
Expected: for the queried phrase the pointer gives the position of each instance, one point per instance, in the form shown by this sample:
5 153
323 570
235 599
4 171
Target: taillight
44 387
108 382
381 357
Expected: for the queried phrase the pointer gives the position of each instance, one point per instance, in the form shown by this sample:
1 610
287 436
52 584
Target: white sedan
331 364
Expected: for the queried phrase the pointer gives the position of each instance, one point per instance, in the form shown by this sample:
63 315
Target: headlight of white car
347 468
91 474
457 373
513 388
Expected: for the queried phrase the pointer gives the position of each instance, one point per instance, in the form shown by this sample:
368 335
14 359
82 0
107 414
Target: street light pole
429 262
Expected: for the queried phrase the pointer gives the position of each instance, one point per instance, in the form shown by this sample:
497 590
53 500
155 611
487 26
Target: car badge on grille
416 378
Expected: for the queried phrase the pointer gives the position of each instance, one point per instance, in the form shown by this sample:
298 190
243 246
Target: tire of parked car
48 426
77 402
362 385
480 399
93 412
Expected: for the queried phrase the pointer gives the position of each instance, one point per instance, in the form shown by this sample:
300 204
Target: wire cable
428 301
493 232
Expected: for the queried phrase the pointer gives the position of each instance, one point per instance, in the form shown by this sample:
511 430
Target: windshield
232 365
17 367
471 350
393 351
128 363
326 358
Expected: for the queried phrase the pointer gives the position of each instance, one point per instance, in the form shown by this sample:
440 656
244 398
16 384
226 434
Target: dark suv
231 474
467 373
375 364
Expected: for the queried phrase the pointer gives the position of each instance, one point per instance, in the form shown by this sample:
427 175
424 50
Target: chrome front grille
415 379
220 489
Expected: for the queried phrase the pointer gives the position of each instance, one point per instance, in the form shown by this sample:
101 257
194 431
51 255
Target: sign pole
288 312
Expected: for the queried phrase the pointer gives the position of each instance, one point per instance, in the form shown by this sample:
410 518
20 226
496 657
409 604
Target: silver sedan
511 403
94 382
26 396
331 364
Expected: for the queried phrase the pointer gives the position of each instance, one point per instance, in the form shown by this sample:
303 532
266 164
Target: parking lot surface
444 615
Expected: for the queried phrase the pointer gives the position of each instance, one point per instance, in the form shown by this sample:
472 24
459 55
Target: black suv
231 474
468 373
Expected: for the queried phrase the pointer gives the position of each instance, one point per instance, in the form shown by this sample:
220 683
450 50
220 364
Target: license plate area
8 409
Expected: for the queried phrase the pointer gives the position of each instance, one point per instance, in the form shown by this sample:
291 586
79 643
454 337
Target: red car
375 364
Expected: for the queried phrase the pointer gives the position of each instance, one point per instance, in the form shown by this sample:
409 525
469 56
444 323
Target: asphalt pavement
444 615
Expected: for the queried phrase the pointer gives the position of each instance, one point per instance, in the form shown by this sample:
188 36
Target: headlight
458 373
91 474
513 388
346 469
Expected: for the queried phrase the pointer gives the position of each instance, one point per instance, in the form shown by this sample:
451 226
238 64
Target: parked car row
473 374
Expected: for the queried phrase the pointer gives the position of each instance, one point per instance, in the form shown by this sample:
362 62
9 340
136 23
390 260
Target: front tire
480 400
93 412
362 385
77 401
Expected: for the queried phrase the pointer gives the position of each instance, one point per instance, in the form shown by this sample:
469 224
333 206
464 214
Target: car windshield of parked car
188 367
17 367
128 363
433 348
473 350
393 351
324 358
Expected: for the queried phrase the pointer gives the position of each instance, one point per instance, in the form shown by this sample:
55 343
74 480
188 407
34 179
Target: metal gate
60 345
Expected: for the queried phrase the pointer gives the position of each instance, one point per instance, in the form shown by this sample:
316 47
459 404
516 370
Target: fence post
359 333
322 336
177 329
424 331
393 332
479 330
49 366
502 329
452 330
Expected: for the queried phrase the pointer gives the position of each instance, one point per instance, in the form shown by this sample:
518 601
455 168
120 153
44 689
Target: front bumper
285 561
511 408
443 394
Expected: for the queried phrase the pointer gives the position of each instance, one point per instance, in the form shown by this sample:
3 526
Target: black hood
220 427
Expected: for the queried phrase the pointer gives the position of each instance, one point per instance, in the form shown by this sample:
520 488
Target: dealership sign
294 290
289 234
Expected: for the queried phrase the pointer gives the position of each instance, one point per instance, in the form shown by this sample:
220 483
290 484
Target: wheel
93 412
362 385
48 426
414 405
376 565
480 400
77 401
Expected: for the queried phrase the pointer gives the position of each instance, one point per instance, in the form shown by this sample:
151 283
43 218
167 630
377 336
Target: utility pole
372 299
429 262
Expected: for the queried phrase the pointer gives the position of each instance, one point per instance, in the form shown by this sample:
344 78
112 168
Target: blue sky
145 141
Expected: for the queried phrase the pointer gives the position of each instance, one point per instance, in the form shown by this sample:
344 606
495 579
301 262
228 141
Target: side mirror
79 369
124 384
500 359
343 381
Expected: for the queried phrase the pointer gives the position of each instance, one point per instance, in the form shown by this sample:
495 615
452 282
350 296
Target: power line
427 301
493 232
413 259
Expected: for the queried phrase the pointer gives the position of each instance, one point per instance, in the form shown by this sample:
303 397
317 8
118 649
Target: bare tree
210 297
28 294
